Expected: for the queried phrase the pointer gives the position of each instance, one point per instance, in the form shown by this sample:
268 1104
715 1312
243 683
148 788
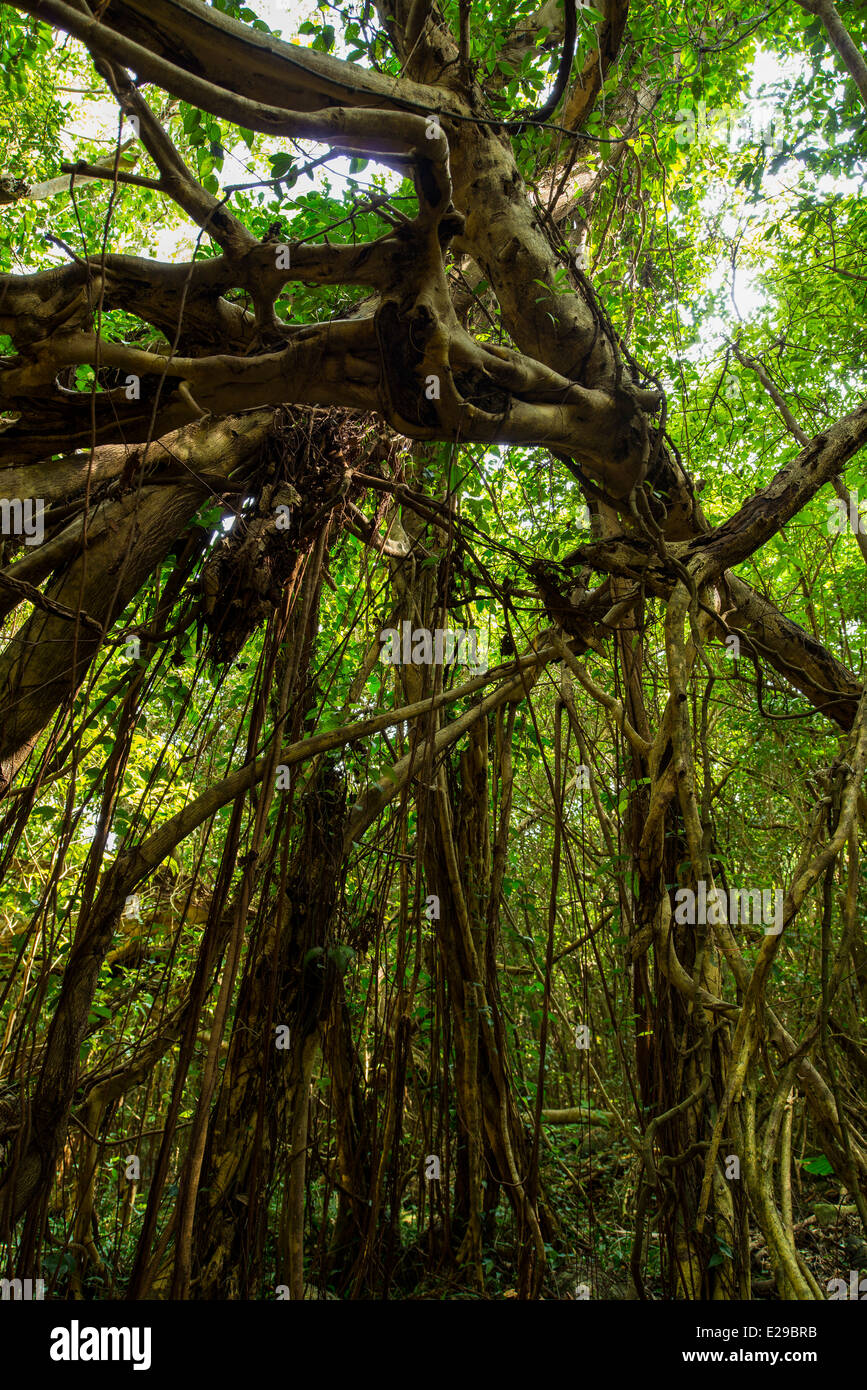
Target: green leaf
281 164
819 1166
324 41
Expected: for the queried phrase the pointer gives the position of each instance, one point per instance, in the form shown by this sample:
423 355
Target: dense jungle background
335 963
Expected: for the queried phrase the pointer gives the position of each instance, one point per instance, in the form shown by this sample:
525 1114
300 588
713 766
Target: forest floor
589 1255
